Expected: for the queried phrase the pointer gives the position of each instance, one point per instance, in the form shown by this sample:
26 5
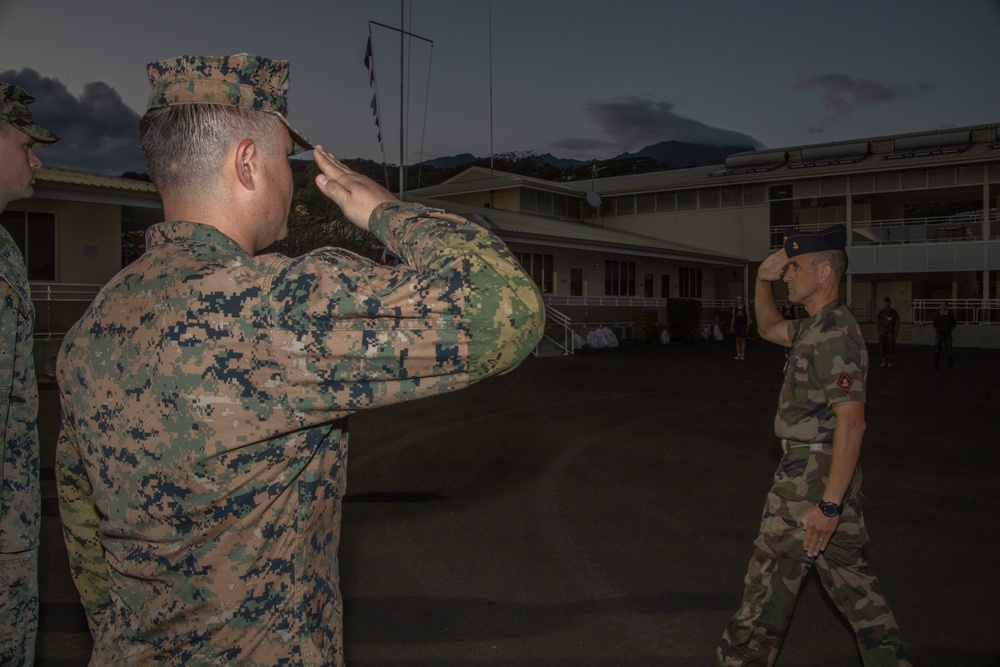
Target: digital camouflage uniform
20 498
828 363
202 461
20 509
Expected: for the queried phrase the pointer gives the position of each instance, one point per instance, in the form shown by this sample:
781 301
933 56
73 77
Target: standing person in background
739 326
944 324
202 459
20 495
888 329
813 513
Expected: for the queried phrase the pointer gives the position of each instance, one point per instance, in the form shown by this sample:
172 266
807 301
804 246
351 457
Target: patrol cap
240 80
801 243
14 109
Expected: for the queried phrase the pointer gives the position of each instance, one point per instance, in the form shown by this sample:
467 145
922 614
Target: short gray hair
837 260
185 145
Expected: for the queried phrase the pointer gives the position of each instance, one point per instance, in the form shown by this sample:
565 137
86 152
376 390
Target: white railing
64 291
967 311
52 320
560 320
930 229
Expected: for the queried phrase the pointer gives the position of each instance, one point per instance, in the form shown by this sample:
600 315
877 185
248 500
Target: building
921 210
74 234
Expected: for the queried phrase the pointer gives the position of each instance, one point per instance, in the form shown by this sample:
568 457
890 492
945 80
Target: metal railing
929 229
967 311
64 291
59 305
561 321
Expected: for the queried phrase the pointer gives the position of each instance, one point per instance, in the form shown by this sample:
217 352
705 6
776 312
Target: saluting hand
773 268
355 194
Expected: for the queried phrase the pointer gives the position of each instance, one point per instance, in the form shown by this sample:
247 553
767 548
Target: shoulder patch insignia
845 382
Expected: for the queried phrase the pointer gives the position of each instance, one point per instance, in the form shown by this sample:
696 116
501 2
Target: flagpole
402 117
402 111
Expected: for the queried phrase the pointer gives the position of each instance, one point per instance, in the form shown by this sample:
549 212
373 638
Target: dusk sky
579 79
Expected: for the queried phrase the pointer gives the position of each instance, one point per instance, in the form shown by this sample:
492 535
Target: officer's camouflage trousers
18 608
780 563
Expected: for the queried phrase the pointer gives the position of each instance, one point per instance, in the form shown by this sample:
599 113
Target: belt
813 446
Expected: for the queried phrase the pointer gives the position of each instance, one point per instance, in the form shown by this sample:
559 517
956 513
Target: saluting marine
202 458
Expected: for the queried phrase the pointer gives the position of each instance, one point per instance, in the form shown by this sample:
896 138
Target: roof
547 231
56 175
54 183
482 179
946 146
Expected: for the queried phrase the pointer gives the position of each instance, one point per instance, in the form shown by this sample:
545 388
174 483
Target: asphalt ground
600 509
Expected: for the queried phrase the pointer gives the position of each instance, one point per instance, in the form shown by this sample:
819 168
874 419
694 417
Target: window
645 203
647 286
35 235
626 204
619 278
576 282
665 286
666 202
687 200
690 282
539 267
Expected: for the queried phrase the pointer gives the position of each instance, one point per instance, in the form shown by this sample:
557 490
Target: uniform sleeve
80 521
839 365
8 343
504 314
351 334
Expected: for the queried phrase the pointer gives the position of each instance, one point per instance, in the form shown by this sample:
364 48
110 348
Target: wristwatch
830 509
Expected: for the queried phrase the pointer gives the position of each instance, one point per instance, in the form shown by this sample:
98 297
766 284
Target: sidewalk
600 510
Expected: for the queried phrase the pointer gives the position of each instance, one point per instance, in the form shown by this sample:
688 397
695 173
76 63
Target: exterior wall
592 264
505 200
733 231
90 242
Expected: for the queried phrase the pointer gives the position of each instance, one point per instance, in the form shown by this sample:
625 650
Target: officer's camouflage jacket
19 486
827 363
201 462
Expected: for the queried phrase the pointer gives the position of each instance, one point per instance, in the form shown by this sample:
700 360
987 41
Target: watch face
829 509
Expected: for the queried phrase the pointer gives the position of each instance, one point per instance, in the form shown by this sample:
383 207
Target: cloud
843 95
634 122
97 131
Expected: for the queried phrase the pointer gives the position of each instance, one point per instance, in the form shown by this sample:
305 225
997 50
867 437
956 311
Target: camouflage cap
242 80
14 109
801 243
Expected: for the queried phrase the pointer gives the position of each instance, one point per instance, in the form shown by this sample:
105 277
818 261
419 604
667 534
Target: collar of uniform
174 231
839 302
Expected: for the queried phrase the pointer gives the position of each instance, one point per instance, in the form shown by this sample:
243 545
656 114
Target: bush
683 316
644 321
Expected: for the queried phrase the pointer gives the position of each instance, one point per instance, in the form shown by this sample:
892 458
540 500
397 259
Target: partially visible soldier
813 512
888 330
20 498
202 457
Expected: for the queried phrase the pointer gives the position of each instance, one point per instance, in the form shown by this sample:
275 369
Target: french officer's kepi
14 110
240 80
801 243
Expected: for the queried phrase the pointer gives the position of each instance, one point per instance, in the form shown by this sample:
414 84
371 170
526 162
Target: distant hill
450 162
669 154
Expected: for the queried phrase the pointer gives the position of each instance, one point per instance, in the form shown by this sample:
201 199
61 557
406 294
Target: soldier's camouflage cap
801 243
14 109
241 80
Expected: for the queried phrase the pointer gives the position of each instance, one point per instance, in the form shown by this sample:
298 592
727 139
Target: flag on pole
370 66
